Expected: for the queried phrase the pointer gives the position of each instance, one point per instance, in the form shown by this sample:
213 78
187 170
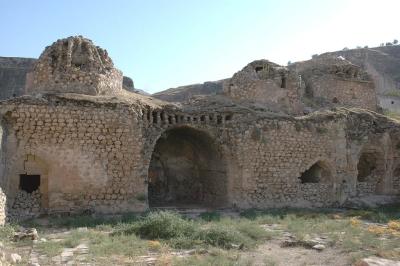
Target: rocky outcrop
127 84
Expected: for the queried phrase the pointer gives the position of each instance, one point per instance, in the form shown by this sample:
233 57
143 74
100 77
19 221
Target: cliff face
13 72
184 93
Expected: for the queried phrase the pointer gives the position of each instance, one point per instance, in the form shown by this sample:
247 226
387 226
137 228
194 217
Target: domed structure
267 83
74 65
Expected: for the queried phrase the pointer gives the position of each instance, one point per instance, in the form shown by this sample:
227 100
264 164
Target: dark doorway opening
29 183
186 170
283 82
367 166
259 68
317 173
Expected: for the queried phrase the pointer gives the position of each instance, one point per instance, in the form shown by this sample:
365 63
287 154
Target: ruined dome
263 82
74 65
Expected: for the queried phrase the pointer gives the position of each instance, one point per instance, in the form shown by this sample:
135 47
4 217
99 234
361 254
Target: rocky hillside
184 93
382 63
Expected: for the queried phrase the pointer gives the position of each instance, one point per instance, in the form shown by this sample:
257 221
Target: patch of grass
130 235
6 232
100 244
50 248
221 236
127 245
217 257
77 221
210 216
271 216
90 221
383 214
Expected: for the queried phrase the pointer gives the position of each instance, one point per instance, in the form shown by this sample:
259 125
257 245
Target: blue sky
168 43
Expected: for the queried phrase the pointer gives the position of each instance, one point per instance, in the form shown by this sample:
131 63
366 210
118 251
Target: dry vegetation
167 238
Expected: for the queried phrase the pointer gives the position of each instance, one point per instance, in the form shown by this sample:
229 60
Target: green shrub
161 225
141 197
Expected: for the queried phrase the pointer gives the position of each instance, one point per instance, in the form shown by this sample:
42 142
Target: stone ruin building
303 136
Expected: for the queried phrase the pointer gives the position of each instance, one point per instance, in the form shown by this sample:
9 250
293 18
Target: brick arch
186 166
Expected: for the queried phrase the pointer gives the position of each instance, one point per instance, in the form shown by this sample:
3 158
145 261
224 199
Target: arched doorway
186 170
30 188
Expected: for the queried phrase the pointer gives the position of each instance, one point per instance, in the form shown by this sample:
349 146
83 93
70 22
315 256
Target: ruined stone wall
88 154
337 82
353 93
266 158
95 154
274 154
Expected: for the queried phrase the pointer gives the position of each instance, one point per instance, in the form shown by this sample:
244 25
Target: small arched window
317 173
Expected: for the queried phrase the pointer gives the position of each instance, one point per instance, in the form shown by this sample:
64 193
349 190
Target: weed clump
161 225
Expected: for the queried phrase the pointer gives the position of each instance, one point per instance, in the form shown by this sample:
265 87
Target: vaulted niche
370 166
186 170
317 173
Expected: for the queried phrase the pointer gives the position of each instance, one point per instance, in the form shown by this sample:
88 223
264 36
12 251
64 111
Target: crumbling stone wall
74 65
26 205
273 154
266 83
338 82
267 156
91 152
96 153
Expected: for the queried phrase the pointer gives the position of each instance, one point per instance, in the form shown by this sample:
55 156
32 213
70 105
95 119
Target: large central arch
187 170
